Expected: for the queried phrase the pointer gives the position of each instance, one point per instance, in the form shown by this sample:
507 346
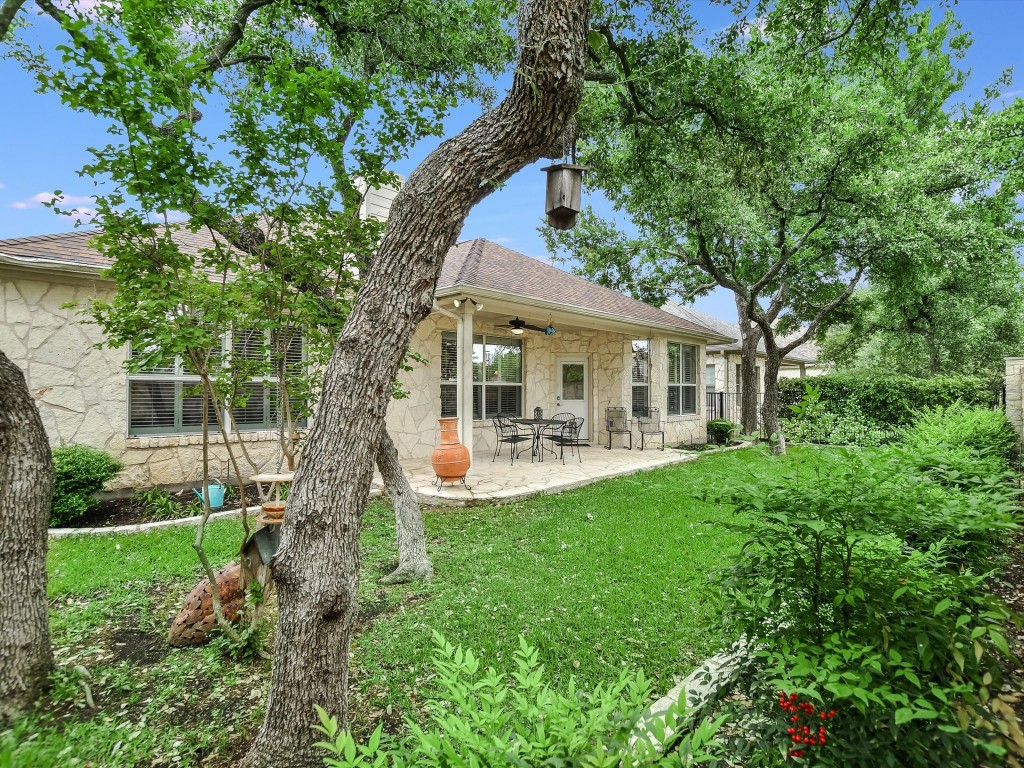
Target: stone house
722 381
508 333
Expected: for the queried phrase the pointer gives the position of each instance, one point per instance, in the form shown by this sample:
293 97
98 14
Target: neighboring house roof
474 265
805 353
480 265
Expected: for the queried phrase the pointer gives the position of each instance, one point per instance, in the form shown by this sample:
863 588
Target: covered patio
503 481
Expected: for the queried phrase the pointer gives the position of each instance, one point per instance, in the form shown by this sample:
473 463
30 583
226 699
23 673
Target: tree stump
196 618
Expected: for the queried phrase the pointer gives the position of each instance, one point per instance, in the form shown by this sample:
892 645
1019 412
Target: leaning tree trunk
413 561
26 495
317 566
770 404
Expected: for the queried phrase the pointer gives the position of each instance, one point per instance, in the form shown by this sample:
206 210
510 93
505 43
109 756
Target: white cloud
1012 94
39 199
3 186
503 240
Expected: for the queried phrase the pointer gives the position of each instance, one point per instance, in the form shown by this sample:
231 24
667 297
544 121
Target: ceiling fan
518 326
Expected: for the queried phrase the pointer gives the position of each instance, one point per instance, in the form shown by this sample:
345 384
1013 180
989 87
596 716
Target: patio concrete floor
501 481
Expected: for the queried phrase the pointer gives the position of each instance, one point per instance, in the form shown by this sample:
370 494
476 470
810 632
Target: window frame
682 385
480 383
183 380
640 384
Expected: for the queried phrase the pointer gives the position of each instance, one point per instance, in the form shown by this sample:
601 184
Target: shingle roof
471 264
482 264
805 353
75 248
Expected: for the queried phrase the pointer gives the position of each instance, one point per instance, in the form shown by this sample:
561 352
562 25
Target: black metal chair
650 425
506 431
538 412
616 423
567 434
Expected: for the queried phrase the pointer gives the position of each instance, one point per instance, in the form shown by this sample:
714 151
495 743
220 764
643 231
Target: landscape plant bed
130 510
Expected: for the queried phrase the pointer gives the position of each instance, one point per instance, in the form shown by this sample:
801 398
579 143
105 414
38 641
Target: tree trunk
317 566
770 404
26 496
413 561
750 337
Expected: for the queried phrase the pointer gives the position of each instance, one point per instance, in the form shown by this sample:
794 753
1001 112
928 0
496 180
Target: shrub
856 592
889 400
721 430
79 472
963 429
485 719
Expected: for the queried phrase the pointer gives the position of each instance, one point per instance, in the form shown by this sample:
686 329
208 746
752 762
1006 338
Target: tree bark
750 337
413 560
317 566
770 403
26 496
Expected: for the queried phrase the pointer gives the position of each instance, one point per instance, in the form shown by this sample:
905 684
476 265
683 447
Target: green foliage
156 503
79 472
962 430
862 588
889 401
721 430
487 718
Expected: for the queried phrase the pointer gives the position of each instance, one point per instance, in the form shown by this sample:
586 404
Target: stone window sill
176 441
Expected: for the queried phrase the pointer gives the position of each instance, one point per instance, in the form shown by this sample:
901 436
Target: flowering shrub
803 728
862 584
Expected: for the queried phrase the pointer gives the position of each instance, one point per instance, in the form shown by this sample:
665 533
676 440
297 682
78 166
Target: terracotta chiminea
451 458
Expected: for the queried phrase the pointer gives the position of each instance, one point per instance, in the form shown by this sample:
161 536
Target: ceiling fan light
457 303
517 331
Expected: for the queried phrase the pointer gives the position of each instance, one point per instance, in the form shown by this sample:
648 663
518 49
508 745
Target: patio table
537 427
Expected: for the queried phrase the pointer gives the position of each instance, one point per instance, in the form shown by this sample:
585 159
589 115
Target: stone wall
413 420
1015 393
82 390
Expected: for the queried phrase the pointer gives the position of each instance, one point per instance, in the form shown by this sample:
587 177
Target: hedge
891 400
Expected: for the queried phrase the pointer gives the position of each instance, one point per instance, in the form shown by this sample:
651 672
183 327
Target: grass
611 576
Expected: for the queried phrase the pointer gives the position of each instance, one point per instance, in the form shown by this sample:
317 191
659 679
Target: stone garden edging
706 684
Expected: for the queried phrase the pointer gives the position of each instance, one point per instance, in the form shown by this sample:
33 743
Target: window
682 379
497 376
709 377
164 399
641 377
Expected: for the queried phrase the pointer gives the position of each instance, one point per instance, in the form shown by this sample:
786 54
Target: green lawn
604 577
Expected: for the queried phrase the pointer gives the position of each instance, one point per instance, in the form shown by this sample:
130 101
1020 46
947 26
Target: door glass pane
709 376
572 381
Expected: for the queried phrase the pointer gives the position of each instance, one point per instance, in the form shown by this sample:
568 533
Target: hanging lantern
564 194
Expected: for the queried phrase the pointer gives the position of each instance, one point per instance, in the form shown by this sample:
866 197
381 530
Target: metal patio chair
650 425
616 423
568 434
538 412
506 431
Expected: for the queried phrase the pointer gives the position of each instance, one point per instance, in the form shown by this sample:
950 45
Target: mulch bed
127 511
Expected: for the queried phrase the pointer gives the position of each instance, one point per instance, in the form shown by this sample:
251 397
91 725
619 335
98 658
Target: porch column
803 370
464 380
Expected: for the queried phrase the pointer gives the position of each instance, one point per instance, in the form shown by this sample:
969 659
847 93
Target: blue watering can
216 495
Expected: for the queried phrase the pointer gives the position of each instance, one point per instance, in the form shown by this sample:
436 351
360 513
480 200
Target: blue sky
44 143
